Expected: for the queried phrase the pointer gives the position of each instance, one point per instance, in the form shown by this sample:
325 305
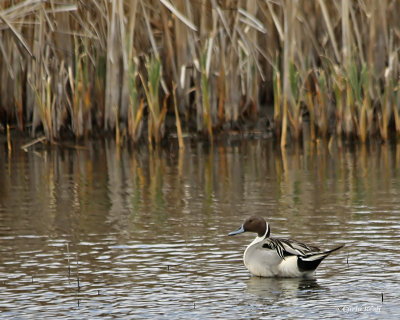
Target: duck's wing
289 247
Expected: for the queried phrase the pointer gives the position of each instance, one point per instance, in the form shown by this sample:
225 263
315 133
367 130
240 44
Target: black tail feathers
311 261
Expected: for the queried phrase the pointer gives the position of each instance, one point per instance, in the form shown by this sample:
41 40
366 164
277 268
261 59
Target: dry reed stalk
117 133
329 26
357 33
135 122
207 118
396 106
321 107
383 116
221 89
284 123
45 104
126 28
251 72
297 89
311 109
178 121
289 9
366 112
348 112
170 68
80 90
339 97
113 70
37 73
135 108
250 38
277 103
362 128
182 54
346 35
9 146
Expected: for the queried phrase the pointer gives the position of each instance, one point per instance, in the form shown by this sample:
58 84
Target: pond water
100 231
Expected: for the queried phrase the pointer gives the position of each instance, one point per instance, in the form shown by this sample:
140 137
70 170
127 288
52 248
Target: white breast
260 261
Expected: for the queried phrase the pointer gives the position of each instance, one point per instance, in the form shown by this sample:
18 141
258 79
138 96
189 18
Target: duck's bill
240 230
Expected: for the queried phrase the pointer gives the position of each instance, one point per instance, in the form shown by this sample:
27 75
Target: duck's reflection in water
283 288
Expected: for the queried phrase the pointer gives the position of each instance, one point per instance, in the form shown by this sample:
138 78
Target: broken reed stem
30 144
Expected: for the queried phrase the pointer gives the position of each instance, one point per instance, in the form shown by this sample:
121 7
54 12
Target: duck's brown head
255 224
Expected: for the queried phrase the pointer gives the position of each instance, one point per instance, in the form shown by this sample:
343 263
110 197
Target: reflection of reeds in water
73 66
103 190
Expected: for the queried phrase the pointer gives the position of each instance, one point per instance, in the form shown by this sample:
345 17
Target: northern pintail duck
275 257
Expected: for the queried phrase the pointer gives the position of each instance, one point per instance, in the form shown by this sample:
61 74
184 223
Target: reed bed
124 67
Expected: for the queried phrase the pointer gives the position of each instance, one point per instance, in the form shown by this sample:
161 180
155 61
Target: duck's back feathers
308 257
289 247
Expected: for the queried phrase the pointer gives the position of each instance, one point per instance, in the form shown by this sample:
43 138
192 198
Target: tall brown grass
111 66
